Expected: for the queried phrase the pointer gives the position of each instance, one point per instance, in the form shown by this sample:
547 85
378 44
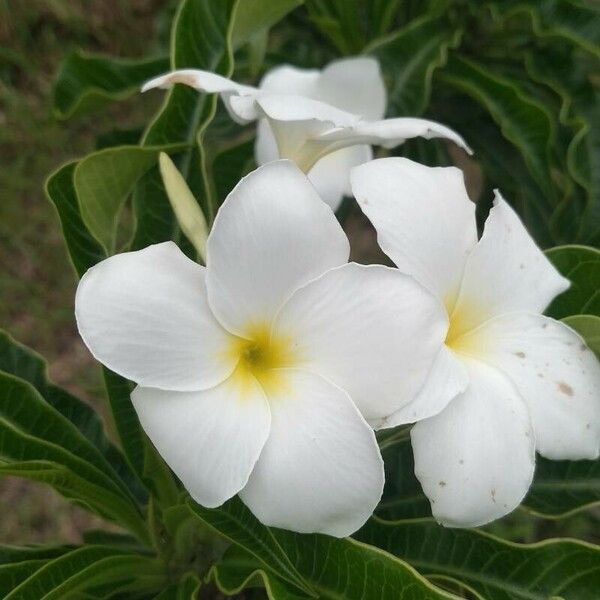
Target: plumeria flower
325 121
508 380
257 373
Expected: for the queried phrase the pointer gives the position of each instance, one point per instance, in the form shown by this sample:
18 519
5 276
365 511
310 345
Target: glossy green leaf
493 569
334 568
86 568
87 81
24 363
567 75
523 120
84 250
37 442
408 73
581 265
588 327
573 20
102 182
237 524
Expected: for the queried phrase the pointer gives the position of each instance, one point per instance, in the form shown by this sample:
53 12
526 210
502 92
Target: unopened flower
253 372
325 121
508 380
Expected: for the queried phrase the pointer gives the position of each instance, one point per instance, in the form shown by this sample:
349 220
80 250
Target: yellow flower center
463 318
260 357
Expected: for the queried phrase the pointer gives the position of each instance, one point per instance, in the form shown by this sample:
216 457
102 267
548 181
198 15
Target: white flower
325 121
250 370
508 380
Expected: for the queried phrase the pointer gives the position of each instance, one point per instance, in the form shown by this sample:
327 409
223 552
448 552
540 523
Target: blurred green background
36 284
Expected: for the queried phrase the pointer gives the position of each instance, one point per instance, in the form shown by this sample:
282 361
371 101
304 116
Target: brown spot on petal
442 484
564 388
520 354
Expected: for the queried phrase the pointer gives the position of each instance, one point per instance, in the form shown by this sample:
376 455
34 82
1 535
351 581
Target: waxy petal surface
555 372
211 439
424 219
272 235
145 315
505 272
369 329
475 460
320 470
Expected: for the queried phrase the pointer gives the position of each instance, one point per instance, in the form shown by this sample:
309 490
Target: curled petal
370 329
271 236
145 315
320 470
211 439
475 459
555 372
393 132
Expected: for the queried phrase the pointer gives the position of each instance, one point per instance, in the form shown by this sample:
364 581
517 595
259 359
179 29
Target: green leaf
588 327
102 182
85 81
256 16
523 120
236 523
408 59
37 442
567 19
86 568
334 568
493 569
84 250
25 364
186 589
581 265
562 488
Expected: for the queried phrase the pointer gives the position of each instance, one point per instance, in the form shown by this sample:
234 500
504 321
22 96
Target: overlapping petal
320 470
424 219
555 372
370 329
505 272
272 235
447 378
211 439
145 315
475 460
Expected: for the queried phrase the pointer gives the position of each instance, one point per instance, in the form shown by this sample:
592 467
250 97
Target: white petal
446 379
505 272
265 147
211 83
555 372
424 219
331 174
393 132
286 79
370 329
211 439
272 235
145 315
320 470
475 460
355 85
351 84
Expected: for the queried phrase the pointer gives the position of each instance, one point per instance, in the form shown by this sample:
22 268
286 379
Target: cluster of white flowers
266 372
